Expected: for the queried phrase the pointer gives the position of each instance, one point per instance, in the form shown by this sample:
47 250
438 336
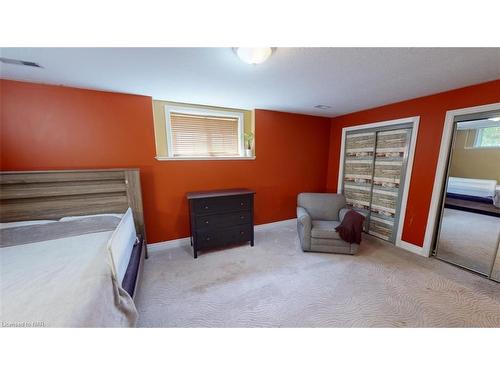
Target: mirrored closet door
374 168
469 228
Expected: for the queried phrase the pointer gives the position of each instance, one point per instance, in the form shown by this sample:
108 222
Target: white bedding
68 282
69 218
120 244
472 187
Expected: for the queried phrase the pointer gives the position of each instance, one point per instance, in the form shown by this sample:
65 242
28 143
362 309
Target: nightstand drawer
223 220
222 204
215 238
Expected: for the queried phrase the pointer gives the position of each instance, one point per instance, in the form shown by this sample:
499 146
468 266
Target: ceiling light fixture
253 55
322 106
494 119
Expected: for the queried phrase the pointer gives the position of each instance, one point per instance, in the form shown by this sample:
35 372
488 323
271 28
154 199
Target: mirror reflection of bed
469 231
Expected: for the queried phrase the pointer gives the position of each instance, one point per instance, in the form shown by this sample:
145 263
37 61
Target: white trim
274 224
167 245
406 187
442 166
163 158
412 248
202 112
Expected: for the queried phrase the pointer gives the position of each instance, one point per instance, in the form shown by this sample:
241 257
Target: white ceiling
293 79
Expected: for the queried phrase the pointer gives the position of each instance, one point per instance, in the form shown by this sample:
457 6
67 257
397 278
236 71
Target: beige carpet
469 239
275 284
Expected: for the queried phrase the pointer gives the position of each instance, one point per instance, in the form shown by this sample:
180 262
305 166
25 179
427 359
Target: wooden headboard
38 195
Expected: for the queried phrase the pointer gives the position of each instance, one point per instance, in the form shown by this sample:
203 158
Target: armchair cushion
325 229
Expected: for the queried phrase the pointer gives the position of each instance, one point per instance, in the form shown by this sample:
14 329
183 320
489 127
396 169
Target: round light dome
254 55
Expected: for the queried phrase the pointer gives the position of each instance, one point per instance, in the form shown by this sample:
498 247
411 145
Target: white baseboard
166 245
274 224
412 248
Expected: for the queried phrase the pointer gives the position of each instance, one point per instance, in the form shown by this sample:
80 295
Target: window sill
167 158
482 147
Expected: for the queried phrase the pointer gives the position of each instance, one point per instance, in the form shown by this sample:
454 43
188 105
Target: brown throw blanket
351 227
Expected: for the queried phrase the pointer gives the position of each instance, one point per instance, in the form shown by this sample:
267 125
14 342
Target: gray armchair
318 214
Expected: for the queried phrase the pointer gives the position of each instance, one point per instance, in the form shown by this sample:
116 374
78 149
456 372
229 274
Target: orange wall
432 110
53 127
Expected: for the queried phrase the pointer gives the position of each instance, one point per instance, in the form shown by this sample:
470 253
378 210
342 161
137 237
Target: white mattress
472 187
120 244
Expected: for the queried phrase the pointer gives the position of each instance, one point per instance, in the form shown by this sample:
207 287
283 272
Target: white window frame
204 112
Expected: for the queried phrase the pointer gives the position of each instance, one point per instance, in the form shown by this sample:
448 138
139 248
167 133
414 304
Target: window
203 133
487 137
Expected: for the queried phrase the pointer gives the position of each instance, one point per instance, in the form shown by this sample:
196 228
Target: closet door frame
440 214
442 169
411 122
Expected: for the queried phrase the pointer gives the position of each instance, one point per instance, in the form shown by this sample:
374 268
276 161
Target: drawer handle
242 217
206 207
208 238
242 203
241 232
206 221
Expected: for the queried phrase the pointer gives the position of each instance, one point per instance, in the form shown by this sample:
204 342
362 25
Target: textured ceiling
293 79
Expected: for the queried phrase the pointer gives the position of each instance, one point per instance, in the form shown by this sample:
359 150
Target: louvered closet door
390 164
358 170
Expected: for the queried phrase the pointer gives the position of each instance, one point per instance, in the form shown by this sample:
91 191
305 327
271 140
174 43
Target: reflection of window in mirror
481 133
487 137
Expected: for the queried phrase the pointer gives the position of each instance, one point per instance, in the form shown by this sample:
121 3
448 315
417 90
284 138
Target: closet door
391 153
358 170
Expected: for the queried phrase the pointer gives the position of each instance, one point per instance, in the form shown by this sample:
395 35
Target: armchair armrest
343 212
304 225
303 216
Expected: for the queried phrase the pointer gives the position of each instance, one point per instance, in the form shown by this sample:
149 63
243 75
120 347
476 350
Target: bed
472 195
72 247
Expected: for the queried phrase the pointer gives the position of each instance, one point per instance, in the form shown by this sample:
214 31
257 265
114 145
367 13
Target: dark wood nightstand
220 218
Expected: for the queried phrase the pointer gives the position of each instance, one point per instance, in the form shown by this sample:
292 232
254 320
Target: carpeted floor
469 239
275 284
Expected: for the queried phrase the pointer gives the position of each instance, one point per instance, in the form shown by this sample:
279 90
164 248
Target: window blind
200 136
